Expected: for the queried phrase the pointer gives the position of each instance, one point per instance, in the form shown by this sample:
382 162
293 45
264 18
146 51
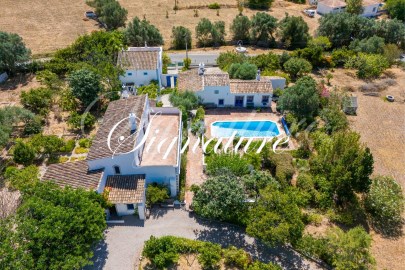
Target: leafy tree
187 99
76 121
393 31
391 53
294 31
385 203
209 33
268 62
33 126
12 52
373 44
368 65
335 119
275 218
85 85
314 54
350 250
181 35
396 8
320 41
243 71
263 266
345 164
110 13
297 67
235 164
220 197
302 99
20 178
263 28
259 4
226 59
10 116
37 100
234 257
240 28
341 56
256 181
23 153
156 193
67 101
354 6
49 79
140 32
67 245
210 256
341 28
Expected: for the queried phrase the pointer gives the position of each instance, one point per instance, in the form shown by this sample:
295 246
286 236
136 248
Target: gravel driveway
123 243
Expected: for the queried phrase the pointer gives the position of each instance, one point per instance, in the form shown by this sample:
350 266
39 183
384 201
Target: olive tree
240 28
12 52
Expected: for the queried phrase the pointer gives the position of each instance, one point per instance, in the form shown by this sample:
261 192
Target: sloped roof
139 59
190 80
333 3
117 110
251 86
366 3
74 174
125 188
216 79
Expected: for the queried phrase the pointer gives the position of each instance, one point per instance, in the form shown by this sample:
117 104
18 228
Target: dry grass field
48 25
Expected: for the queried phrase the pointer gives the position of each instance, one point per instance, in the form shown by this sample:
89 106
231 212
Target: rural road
196 58
123 243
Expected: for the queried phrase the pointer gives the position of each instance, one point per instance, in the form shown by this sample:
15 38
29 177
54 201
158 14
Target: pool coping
279 127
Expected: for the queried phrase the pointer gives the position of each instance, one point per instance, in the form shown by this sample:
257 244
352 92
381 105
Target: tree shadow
13 83
228 234
129 221
158 212
390 231
99 257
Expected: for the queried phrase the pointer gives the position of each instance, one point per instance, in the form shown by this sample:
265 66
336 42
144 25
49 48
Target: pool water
257 129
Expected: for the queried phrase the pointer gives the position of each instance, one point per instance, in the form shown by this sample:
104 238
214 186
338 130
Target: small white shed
370 8
330 6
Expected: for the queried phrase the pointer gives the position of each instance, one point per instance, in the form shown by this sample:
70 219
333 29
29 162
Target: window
129 73
145 73
374 9
130 206
220 102
117 169
265 99
249 100
216 92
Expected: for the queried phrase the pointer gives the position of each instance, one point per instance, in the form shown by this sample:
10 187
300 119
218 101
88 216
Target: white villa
135 145
141 66
216 89
370 7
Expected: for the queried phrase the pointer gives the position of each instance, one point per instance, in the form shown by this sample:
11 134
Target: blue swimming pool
257 129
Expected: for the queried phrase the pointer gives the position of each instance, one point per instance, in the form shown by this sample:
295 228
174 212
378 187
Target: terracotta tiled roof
125 188
370 2
138 60
251 86
216 79
117 111
74 174
190 80
333 3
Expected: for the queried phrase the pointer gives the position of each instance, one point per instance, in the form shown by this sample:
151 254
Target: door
249 101
239 101
221 102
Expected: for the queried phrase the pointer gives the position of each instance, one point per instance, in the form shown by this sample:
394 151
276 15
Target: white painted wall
122 210
139 78
370 11
324 9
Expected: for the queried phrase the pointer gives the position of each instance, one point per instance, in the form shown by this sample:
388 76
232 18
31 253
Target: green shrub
159 104
81 150
385 204
312 218
156 193
235 257
368 65
341 56
33 126
243 71
85 143
161 251
210 256
236 164
68 147
37 100
214 6
23 153
263 266
188 100
151 90
280 165
75 120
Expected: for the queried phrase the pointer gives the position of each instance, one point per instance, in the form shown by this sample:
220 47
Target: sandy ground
48 25
381 125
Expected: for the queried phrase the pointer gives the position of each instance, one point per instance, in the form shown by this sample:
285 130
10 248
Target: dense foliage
354 6
302 99
12 52
85 85
297 67
396 9
240 28
23 153
226 59
209 33
187 100
260 4
110 13
293 31
243 71
156 193
236 164
141 32
37 100
368 65
385 203
263 28
80 220
181 35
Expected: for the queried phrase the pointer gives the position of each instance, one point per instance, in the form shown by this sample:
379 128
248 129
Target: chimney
132 122
201 69
258 75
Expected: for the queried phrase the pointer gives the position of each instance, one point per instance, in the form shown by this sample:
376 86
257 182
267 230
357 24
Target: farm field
48 25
